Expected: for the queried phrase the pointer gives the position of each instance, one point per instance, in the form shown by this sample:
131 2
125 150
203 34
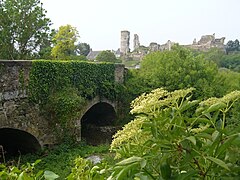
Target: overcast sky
99 22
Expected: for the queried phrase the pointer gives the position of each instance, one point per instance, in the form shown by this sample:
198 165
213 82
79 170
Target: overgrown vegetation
60 160
174 137
63 87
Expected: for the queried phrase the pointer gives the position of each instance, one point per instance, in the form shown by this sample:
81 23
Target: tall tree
23 28
106 56
233 46
65 40
83 49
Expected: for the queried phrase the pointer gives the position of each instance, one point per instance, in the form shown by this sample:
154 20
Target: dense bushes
178 69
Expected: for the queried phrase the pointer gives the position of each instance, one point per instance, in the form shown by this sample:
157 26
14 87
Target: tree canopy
233 46
65 40
83 49
106 56
23 28
178 69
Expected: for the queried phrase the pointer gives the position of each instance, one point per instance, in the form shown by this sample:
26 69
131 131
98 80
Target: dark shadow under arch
97 124
15 142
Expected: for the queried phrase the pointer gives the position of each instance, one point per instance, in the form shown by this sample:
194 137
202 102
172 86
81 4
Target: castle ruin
204 44
136 42
125 38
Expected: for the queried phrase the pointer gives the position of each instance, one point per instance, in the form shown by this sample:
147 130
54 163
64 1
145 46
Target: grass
60 160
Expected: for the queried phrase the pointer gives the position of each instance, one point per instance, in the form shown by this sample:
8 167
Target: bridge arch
97 122
16 141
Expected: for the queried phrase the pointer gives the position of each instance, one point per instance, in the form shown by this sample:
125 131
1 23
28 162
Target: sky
99 22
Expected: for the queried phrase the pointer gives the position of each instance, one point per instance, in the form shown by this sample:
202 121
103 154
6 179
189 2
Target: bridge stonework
17 112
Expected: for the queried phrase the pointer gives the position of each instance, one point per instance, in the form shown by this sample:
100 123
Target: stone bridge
22 125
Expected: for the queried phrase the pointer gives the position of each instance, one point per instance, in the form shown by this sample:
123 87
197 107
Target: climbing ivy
89 79
62 87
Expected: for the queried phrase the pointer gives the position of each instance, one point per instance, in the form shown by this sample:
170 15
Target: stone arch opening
16 142
97 124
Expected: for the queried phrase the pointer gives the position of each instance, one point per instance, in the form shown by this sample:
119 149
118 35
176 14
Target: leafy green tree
106 56
23 28
83 49
179 69
233 46
231 61
65 40
214 54
46 47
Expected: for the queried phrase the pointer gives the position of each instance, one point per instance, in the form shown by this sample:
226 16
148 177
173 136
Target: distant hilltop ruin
205 43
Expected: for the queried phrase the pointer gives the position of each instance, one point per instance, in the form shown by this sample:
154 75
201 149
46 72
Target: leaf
49 175
143 163
192 139
122 174
24 176
188 105
215 107
218 162
129 161
166 170
226 144
204 135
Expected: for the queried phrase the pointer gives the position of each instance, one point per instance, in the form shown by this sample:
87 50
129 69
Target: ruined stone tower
136 42
125 37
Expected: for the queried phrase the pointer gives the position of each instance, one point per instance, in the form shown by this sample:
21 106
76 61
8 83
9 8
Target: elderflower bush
174 137
128 141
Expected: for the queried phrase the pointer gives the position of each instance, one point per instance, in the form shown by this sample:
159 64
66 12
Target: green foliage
25 172
61 159
213 54
173 137
65 40
62 87
178 69
231 61
233 46
106 56
81 170
230 80
88 78
23 28
83 49
65 105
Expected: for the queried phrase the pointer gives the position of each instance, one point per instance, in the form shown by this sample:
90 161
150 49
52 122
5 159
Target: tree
83 49
179 69
46 47
231 61
106 56
23 28
232 46
65 40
